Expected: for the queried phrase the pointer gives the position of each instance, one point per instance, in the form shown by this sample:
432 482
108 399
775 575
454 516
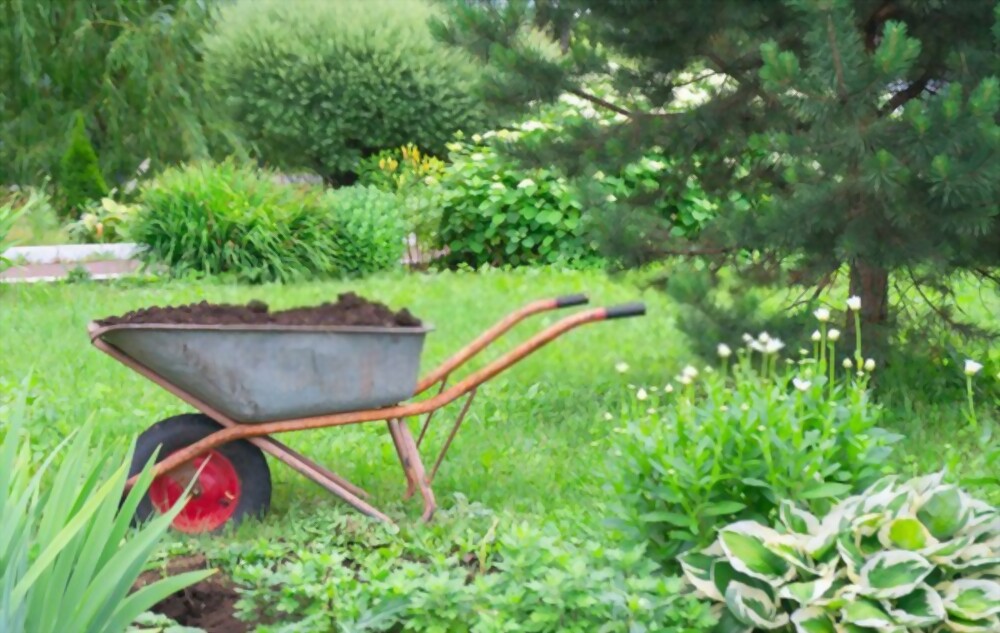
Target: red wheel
228 484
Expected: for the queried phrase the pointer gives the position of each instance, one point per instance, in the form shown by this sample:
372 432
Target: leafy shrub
371 230
69 559
915 556
80 179
494 212
400 169
235 219
528 578
732 444
321 85
104 221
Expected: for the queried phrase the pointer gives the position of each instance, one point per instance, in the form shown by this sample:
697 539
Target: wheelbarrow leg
415 468
397 441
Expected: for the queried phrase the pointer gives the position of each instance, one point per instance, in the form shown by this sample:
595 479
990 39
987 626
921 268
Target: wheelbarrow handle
633 309
566 301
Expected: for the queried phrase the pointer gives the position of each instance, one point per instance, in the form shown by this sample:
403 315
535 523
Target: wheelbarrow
252 382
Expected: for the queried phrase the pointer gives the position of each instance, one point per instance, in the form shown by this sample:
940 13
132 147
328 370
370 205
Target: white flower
599 175
621 367
972 367
847 363
611 197
870 364
641 394
803 352
854 303
656 165
608 417
527 182
668 389
477 138
747 338
489 134
477 157
498 186
724 351
800 384
833 334
816 336
683 379
651 410
744 407
773 345
764 337
690 372
822 314
760 428
531 126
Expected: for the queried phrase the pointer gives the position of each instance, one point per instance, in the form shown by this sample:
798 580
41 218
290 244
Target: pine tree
864 133
80 179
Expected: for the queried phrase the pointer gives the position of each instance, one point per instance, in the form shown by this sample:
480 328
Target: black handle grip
571 300
636 308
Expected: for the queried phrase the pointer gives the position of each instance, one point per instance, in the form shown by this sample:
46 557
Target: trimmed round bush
320 85
235 219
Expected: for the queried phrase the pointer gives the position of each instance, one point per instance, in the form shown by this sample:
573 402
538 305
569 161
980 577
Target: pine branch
838 64
907 94
604 103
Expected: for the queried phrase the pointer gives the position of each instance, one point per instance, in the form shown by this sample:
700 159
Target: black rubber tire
173 434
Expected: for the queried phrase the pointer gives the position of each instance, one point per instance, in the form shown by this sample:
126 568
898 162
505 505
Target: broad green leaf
851 555
944 512
744 545
905 533
805 593
866 613
961 625
723 507
944 552
754 606
826 490
893 574
697 567
796 519
921 607
972 599
812 620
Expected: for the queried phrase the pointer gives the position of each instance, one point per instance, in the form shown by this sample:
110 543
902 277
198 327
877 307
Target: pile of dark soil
350 309
209 604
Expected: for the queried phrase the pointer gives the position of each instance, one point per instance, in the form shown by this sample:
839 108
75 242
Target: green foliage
80 179
322 85
69 559
230 218
864 135
130 66
8 217
400 169
728 444
458 578
913 556
104 221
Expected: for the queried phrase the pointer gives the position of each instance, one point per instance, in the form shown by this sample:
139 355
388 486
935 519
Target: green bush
80 179
235 219
69 558
102 222
913 556
719 445
322 85
526 579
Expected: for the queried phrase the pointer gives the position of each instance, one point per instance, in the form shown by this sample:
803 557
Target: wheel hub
215 493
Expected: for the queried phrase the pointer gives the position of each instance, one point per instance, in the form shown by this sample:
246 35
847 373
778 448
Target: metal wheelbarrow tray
255 381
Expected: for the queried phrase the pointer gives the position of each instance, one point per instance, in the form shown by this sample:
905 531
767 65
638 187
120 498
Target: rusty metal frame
407 449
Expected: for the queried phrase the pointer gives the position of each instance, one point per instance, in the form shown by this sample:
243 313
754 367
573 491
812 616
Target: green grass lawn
536 439
533 441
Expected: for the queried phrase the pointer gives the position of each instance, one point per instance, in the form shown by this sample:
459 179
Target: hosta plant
920 555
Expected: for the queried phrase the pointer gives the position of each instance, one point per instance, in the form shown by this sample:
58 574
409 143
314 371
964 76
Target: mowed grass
535 439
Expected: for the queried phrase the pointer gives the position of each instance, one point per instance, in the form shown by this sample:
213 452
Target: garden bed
209 604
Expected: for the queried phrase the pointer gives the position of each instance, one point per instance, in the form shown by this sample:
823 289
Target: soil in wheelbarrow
209 605
349 309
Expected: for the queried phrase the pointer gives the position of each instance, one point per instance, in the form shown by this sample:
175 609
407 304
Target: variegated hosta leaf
806 593
697 567
971 599
812 620
946 551
866 613
905 533
754 606
851 555
868 524
944 512
922 607
893 574
797 520
925 484
745 545
960 625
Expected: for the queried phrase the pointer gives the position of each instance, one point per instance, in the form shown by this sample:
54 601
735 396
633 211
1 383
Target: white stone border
70 253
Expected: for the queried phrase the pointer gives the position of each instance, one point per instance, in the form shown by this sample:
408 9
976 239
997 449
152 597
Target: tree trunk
871 283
